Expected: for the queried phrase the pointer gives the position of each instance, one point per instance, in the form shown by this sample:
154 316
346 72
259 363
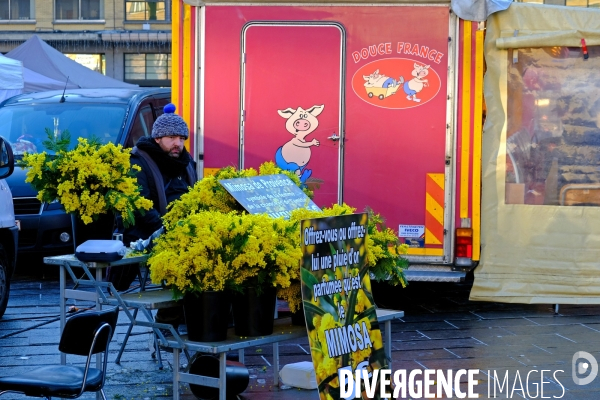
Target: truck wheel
4 281
370 94
381 97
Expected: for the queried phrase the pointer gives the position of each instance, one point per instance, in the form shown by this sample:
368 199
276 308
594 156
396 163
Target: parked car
120 116
8 228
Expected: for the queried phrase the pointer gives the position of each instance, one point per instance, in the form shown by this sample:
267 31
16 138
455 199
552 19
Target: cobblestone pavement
442 329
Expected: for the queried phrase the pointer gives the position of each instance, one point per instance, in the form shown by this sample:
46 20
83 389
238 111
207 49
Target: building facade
124 39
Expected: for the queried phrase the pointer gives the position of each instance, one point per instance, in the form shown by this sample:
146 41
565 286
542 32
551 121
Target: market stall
541 157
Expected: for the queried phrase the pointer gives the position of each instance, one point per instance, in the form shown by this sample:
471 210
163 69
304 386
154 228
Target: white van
8 227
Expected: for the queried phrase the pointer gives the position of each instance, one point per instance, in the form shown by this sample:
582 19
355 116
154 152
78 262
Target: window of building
148 69
16 9
147 11
79 9
95 62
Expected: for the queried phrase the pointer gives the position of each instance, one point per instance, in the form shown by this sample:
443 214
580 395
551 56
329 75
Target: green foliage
57 144
386 261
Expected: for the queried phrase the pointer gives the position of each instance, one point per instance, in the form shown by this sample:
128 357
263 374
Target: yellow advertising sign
338 305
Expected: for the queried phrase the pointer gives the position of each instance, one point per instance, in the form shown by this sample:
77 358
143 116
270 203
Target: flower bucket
207 315
253 315
298 317
237 376
385 297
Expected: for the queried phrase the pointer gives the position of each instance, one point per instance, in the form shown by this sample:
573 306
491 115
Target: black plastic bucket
237 376
207 315
253 314
298 318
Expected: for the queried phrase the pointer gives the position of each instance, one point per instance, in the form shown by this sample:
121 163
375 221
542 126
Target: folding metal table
282 330
143 300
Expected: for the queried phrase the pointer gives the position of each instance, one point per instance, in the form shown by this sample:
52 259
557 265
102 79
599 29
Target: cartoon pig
415 85
295 154
379 80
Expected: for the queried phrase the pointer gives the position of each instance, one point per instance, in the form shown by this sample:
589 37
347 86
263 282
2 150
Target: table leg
175 374
98 307
388 342
98 279
276 364
222 376
126 338
63 305
241 355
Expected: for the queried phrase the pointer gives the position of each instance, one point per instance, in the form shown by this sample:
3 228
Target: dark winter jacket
176 181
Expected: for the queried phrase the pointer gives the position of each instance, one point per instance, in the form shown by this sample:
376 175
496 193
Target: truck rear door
292 101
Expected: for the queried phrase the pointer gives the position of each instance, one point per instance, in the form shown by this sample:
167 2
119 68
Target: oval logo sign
396 83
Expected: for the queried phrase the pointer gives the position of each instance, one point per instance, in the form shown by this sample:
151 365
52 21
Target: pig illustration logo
379 80
416 84
380 85
295 154
387 83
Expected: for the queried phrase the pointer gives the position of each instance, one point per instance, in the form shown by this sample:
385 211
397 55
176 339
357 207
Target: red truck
378 103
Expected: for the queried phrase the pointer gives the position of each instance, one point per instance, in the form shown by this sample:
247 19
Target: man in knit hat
167 172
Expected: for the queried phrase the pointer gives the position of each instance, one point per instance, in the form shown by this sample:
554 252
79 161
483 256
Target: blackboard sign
276 195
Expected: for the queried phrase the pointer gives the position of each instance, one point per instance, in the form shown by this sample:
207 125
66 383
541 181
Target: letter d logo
582 367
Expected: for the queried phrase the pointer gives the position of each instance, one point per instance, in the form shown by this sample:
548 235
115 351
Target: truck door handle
334 137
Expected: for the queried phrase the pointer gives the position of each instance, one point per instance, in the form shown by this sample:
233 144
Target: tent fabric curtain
534 253
570 38
542 25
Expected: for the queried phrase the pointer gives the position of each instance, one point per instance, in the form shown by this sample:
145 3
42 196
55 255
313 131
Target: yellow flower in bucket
89 180
211 250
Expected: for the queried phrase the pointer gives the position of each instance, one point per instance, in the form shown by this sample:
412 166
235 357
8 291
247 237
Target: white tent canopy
16 79
42 58
11 73
11 77
478 10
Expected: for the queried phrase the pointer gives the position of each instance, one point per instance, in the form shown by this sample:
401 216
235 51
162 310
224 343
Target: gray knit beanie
170 124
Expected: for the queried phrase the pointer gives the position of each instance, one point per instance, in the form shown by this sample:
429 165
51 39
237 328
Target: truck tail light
464 243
